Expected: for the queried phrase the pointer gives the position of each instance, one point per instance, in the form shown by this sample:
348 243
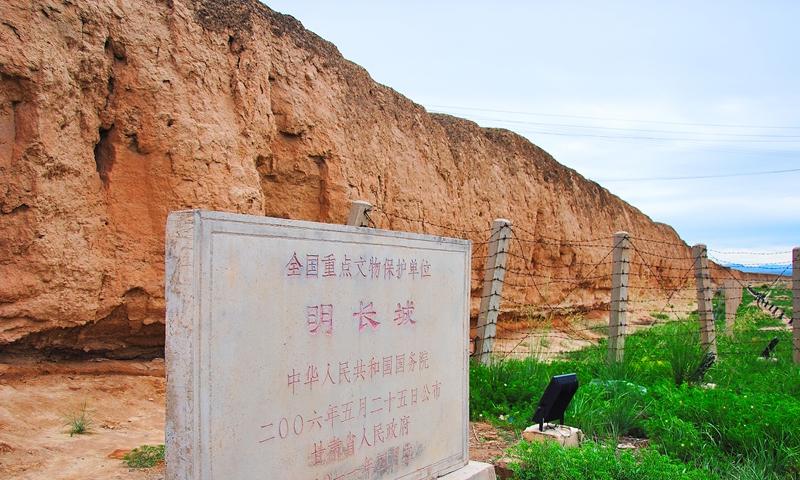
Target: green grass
680 343
550 461
746 427
146 456
78 422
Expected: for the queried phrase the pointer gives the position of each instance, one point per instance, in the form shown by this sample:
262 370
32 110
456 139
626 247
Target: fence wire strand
660 270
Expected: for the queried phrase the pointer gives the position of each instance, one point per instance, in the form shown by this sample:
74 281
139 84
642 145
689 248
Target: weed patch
78 422
746 427
550 461
146 456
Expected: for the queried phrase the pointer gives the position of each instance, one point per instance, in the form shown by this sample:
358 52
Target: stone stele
302 350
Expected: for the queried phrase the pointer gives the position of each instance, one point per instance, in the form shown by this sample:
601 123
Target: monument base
472 471
562 434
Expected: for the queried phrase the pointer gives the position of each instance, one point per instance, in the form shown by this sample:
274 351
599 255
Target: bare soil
125 401
126 410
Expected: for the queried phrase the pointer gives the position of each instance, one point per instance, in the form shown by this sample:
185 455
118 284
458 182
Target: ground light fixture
555 399
767 352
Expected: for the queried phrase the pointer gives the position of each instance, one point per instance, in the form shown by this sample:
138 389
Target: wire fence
554 296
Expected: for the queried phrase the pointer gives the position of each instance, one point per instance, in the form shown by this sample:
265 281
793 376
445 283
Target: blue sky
615 90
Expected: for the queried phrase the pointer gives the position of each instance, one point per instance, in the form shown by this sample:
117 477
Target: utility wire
588 117
622 129
697 177
671 139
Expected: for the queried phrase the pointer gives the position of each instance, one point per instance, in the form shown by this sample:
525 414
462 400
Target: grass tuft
682 351
78 422
146 456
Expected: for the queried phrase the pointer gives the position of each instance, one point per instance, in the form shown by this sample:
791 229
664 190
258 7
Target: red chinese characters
346 267
335 433
340 448
312 265
374 268
292 380
403 314
355 371
329 265
294 267
317 265
426 268
366 316
388 268
373 466
319 318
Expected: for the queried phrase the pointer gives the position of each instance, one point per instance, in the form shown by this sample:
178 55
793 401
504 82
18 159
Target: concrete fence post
359 213
796 304
618 319
705 308
493 276
733 298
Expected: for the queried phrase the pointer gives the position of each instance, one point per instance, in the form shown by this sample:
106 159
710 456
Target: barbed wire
539 264
671 294
562 243
667 257
424 222
543 309
542 333
556 239
540 329
661 242
569 293
541 323
540 349
523 273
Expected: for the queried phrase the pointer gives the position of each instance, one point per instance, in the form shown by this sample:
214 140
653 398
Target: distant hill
784 269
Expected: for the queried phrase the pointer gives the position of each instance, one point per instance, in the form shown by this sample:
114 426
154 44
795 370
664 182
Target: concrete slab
472 471
313 351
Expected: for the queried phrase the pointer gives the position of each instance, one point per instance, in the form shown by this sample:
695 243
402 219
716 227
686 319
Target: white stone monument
299 350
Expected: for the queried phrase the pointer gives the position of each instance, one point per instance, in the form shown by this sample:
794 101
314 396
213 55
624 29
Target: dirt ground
125 401
487 443
547 339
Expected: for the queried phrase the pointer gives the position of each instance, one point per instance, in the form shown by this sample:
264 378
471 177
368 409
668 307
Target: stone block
562 434
472 471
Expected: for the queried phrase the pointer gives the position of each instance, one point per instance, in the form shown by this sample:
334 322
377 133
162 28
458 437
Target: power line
571 125
696 177
752 252
662 122
671 139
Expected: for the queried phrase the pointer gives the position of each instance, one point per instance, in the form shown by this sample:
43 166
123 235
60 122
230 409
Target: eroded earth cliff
114 113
